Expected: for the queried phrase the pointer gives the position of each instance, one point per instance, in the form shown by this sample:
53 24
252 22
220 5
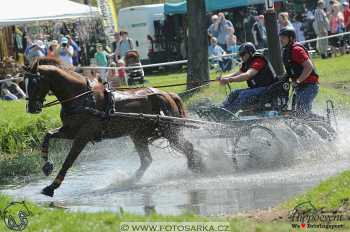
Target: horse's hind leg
179 143
141 145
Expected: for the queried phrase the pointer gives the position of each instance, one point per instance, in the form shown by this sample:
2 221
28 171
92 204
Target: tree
198 71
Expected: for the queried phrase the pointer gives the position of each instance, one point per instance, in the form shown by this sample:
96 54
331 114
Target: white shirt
66 58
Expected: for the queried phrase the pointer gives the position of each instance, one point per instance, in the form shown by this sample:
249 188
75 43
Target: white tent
26 11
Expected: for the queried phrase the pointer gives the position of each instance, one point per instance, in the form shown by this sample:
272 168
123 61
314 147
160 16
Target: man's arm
308 67
239 76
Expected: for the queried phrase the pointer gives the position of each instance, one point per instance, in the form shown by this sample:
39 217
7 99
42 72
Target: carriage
260 133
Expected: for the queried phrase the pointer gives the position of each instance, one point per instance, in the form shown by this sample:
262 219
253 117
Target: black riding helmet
246 48
288 32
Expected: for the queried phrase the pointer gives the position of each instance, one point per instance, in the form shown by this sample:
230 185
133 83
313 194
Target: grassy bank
20 137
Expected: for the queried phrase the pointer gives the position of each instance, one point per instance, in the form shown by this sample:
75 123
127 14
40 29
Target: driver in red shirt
300 70
257 71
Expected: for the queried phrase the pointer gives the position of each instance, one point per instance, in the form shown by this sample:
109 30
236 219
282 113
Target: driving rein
56 102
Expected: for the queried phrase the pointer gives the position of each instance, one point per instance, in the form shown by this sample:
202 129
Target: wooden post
198 71
275 52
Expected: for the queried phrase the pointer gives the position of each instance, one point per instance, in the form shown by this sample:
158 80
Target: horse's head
37 87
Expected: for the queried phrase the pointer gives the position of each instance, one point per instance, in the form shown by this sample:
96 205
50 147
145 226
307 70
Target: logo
306 216
286 86
15 215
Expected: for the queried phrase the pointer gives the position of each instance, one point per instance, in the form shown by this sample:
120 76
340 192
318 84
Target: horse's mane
56 62
49 61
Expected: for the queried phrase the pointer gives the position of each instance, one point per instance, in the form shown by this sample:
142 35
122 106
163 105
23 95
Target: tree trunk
198 72
274 45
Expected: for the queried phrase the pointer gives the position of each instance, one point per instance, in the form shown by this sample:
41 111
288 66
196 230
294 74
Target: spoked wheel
321 128
326 131
257 147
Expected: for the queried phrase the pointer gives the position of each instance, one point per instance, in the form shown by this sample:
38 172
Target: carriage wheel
258 146
326 131
322 128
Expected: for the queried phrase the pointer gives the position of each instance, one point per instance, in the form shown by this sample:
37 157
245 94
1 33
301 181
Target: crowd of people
327 19
67 50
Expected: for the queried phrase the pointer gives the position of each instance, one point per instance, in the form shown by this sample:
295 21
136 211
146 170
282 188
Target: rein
166 86
56 102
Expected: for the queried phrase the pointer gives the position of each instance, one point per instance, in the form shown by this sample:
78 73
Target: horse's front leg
79 142
56 133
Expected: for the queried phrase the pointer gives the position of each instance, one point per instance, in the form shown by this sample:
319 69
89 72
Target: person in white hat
38 49
66 52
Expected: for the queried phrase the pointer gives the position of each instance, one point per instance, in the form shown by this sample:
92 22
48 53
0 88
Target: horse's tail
179 104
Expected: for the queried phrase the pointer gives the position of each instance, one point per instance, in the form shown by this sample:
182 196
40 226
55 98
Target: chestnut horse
78 98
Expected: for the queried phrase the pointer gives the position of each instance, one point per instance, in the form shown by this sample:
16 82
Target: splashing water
101 178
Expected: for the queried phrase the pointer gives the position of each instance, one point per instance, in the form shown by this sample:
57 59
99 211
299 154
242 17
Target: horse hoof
47 168
48 191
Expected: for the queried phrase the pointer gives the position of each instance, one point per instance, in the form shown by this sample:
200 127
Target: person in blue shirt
76 48
37 49
216 52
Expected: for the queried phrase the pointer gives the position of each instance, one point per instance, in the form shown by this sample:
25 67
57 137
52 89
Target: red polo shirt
257 64
299 56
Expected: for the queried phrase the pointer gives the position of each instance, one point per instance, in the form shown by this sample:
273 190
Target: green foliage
20 131
330 194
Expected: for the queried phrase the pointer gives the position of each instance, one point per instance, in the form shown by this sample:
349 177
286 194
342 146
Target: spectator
76 48
101 57
336 22
122 72
330 7
216 52
283 19
53 49
116 42
125 44
225 27
346 13
299 28
213 29
231 44
321 27
259 32
66 52
38 49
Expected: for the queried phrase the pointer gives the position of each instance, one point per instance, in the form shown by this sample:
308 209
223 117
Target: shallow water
99 181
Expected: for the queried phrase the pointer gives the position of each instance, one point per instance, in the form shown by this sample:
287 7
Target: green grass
20 137
48 219
332 193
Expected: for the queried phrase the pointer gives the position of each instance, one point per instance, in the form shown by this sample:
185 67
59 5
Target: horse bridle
37 77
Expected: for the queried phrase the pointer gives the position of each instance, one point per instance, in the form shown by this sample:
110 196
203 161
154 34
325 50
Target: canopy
25 11
179 6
